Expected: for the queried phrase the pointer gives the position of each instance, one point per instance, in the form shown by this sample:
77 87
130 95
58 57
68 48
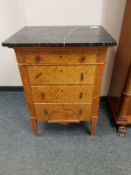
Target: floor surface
59 150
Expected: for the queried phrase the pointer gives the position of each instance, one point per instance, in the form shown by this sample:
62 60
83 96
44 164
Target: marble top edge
61 36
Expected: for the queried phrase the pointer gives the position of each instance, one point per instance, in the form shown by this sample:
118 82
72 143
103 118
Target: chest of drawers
62 84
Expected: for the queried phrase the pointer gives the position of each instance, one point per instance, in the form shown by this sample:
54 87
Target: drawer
63 112
62 57
40 75
62 93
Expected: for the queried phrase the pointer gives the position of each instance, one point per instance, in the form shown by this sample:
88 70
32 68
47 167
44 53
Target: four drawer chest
61 69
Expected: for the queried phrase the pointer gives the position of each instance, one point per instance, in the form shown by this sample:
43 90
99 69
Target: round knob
37 59
82 59
43 95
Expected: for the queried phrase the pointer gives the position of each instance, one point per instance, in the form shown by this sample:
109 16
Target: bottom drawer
63 112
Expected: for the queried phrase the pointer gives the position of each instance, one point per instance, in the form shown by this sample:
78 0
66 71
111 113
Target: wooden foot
93 126
122 131
34 125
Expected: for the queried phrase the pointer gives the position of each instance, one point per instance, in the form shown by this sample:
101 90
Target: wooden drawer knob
82 59
81 95
37 59
45 112
38 75
43 95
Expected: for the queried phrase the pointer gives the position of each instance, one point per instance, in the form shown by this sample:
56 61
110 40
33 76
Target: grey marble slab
60 36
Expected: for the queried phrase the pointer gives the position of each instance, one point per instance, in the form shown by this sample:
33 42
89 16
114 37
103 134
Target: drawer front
63 93
63 112
61 57
39 75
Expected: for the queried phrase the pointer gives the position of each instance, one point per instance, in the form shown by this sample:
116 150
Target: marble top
60 36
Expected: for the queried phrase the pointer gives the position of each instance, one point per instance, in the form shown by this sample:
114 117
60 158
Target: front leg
34 124
93 125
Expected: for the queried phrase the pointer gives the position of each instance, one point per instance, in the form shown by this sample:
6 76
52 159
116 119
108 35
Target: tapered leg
93 126
34 124
28 96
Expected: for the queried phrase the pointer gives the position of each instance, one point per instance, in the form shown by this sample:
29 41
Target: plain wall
17 13
112 16
11 20
63 12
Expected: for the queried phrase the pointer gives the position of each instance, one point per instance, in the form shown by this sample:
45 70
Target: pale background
15 14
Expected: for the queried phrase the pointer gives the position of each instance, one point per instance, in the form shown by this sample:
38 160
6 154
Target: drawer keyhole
81 95
60 56
45 112
81 76
61 70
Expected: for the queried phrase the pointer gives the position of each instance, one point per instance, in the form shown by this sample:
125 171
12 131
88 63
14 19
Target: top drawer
61 57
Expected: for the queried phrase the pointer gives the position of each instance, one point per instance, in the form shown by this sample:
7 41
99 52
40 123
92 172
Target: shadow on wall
112 15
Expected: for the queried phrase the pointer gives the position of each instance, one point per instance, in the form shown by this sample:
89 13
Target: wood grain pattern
125 100
20 56
63 112
120 88
62 93
127 89
61 58
96 93
62 84
61 74
28 97
129 108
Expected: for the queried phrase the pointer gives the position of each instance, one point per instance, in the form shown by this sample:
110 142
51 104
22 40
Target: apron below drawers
62 93
40 75
63 112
